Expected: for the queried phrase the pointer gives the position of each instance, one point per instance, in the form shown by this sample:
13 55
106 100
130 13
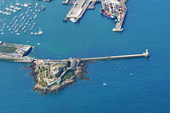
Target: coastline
77 74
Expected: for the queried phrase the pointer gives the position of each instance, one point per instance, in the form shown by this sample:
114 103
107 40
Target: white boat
18 33
2 33
11 6
73 20
1 11
17 3
104 83
26 5
25 31
39 10
14 11
38 43
40 32
31 33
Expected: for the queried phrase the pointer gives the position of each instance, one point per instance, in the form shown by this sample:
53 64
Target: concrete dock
20 53
119 23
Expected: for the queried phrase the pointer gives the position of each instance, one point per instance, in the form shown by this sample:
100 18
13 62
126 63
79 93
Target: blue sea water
139 85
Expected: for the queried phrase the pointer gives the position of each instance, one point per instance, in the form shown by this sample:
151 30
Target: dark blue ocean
139 85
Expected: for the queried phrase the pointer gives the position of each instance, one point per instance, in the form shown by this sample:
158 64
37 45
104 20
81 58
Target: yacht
40 32
104 83
11 6
14 11
18 33
17 3
2 33
1 11
31 33
26 5
25 31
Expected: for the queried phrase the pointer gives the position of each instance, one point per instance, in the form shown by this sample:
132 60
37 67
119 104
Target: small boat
39 10
31 33
43 7
28 41
2 33
104 83
38 43
18 33
17 3
40 32
11 6
14 11
26 5
25 31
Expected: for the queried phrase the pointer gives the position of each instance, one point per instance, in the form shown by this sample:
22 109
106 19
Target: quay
121 17
20 53
113 9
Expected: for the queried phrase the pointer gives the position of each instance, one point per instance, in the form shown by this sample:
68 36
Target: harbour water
139 85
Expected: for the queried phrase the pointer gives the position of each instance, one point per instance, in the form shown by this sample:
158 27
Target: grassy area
41 72
68 75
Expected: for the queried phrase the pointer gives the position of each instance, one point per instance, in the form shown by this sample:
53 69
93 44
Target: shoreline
56 88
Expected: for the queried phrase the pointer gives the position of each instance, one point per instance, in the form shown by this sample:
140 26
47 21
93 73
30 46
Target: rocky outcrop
53 88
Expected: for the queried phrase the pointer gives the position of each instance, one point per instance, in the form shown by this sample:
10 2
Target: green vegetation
51 76
41 72
47 73
68 75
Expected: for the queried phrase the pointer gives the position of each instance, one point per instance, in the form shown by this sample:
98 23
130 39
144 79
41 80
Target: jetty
76 61
145 54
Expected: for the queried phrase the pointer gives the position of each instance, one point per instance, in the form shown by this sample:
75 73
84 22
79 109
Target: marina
25 22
